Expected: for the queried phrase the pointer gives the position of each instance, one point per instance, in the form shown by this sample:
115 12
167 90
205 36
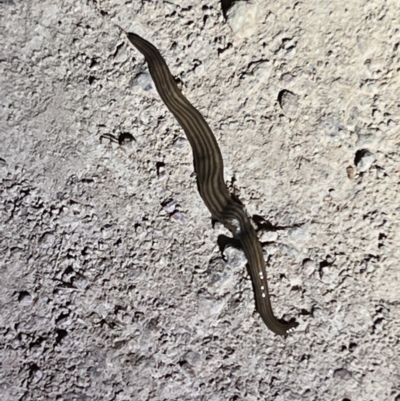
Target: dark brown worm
209 168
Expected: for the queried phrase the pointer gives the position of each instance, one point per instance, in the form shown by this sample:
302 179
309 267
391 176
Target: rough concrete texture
112 283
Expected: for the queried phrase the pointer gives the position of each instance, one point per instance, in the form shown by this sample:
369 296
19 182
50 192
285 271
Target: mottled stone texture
112 285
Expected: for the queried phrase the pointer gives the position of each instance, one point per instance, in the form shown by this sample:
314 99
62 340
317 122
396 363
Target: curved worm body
208 166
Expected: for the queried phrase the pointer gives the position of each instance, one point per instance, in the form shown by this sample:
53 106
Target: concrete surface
112 283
